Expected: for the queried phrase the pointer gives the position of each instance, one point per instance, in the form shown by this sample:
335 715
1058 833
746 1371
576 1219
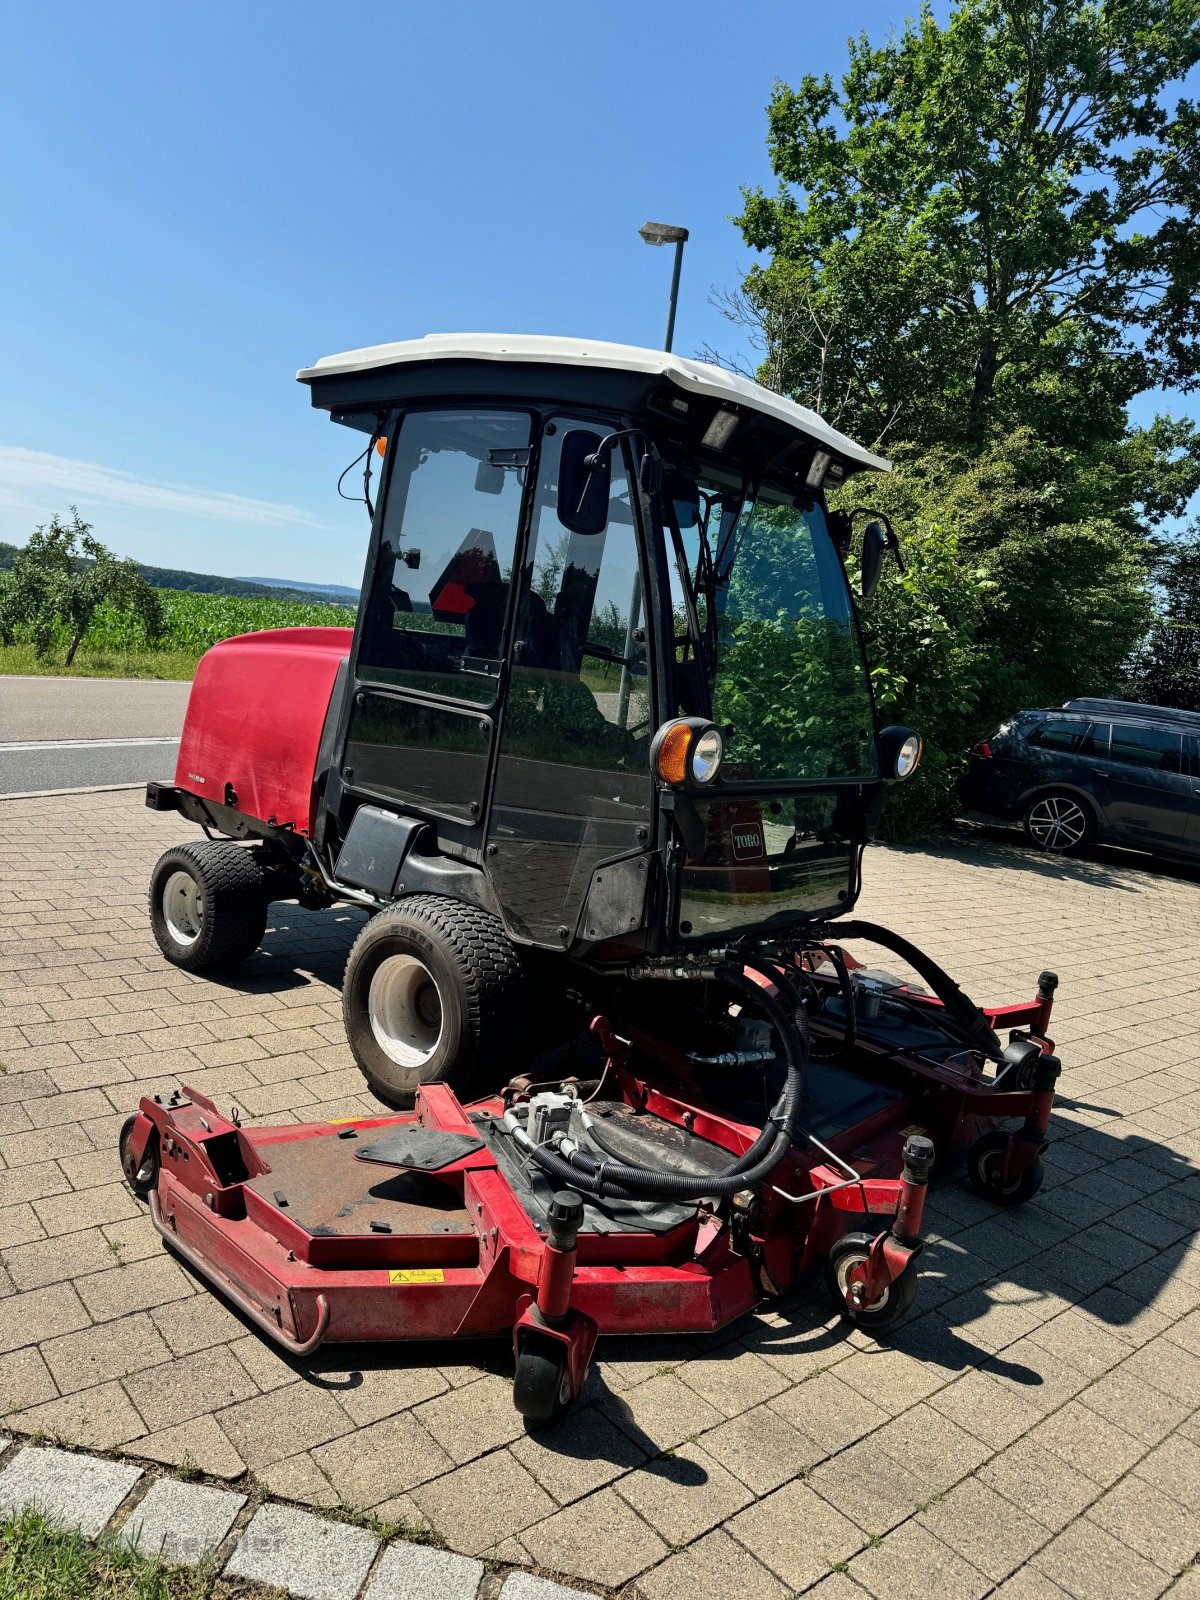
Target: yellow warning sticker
417 1275
913 1127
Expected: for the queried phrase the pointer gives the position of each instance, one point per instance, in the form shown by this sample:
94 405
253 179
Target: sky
198 200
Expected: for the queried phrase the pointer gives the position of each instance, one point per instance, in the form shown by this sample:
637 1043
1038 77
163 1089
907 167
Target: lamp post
665 233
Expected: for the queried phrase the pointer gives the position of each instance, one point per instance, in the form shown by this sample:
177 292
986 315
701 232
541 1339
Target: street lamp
666 233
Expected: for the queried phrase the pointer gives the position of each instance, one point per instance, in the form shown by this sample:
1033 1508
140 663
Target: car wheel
1058 822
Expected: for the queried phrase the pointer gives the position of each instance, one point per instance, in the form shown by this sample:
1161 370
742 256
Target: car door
1143 782
1191 837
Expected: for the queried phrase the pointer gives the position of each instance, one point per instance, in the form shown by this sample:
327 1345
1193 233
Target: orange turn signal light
670 753
381 444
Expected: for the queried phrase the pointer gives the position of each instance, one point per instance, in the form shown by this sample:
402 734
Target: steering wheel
603 653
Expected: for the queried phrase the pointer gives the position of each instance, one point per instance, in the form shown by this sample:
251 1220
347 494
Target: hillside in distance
210 583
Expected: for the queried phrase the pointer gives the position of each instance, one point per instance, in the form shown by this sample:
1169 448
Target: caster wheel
140 1179
985 1165
852 1250
542 1386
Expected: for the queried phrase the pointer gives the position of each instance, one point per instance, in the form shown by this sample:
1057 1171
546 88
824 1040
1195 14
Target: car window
1062 733
1147 747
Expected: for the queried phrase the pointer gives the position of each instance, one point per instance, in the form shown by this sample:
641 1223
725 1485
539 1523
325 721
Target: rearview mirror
584 482
874 543
489 478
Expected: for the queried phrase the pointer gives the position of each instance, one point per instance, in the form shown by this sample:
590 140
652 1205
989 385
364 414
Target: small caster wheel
853 1250
985 1167
542 1385
140 1179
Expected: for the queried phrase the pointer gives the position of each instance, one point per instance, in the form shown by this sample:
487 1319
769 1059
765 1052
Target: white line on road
82 744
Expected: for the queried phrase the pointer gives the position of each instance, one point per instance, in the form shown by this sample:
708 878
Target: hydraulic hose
623 1180
968 1020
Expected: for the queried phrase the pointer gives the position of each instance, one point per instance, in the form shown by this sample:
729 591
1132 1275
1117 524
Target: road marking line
82 744
47 794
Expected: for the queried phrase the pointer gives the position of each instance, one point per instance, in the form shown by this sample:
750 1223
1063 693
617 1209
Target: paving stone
733 1382
369 1393
182 1522
1039 1483
374 1463
830 1412
465 1432
796 1534
868 1486
272 1426
178 1389
600 1540
1091 1564
582 1453
315 1559
684 1494
100 1418
416 1572
715 1565
94 1355
299 1478
525 1586
40 1314
1133 1406
990 1408
761 1448
984 1529
24 1380
78 1491
484 1502
910 1564
1150 1522
198 1444
661 1413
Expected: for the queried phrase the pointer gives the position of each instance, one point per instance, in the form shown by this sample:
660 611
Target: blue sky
198 200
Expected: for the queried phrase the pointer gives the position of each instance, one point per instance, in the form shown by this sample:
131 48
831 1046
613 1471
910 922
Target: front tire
433 993
1058 822
854 1249
208 904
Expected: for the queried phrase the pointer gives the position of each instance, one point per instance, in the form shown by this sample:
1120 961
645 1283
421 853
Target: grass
40 1561
19 659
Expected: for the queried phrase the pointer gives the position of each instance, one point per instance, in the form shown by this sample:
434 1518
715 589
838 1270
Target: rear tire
1058 822
433 993
208 904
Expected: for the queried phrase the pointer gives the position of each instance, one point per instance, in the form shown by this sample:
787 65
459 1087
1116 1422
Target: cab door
431 646
572 789
1144 783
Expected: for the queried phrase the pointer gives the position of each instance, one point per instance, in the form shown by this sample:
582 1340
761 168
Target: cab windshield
766 639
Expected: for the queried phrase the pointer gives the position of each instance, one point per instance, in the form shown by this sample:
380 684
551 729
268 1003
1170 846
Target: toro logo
747 842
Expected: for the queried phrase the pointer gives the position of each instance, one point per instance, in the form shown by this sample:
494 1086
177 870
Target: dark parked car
1096 769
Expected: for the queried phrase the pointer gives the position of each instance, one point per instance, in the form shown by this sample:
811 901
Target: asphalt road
80 733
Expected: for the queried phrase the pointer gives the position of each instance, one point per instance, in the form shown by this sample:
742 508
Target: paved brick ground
1034 1429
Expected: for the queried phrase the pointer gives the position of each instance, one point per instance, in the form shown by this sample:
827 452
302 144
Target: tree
991 223
59 580
1165 671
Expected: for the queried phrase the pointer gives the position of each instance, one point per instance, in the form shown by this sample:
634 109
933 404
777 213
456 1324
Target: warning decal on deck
417 1275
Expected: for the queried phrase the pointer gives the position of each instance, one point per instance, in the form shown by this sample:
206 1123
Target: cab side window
440 593
580 684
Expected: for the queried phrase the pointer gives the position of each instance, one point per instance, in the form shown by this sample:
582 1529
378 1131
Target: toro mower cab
599 758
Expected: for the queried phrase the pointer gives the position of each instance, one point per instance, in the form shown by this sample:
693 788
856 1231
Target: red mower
599 759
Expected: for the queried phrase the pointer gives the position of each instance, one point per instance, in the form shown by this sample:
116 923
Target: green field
116 644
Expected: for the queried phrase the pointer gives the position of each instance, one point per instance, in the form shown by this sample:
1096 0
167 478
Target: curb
271 1543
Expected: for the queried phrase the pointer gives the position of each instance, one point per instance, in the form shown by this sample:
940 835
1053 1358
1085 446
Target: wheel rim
844 1268
405 1012
1057 822
991 1168
144 1175
183 907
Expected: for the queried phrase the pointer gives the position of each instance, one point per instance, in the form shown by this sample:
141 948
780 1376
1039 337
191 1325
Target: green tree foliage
985 242
1166 670
59 581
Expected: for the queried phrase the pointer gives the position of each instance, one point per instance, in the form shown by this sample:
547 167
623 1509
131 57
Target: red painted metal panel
254 721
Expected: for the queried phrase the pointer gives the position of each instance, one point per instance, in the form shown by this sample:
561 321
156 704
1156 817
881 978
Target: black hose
968 1020
623 1180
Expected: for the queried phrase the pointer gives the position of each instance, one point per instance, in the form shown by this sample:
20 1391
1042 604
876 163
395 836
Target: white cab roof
693 377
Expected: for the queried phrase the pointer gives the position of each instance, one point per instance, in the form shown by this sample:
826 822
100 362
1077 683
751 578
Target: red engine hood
254 721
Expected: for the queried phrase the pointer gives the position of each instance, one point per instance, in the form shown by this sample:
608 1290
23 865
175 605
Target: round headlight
707 752
908 757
